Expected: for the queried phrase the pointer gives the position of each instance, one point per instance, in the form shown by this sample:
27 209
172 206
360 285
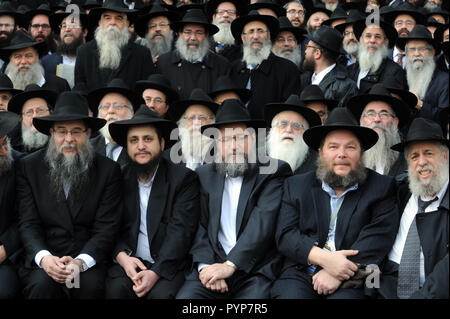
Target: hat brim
211 29
178 108
237 26
97 95
244 94
10 121
141 24
255 124
43 124
418 17
272 109
400 147
143 85
10 90
279 11
17 101
401 43
5 53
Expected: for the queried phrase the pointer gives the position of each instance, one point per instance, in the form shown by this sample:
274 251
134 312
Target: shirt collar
319 76
41 81
327 188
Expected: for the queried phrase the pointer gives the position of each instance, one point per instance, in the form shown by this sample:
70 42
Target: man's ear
89 131
163 143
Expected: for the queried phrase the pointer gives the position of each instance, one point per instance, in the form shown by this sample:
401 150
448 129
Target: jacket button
179 65
203 67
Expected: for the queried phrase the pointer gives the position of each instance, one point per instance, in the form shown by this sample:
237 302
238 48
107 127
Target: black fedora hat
293 103
286 25
353 16
189 6
90 4
432 22
158 82
420 32
211 7
340 119
313 93
57 18
268 4
21 40
116 85
62 5
338 14
396 90
6 9
6 85
8 122
443 119
70 106
237 26
438 11
328 38
144 115
405 8
422 130
198 96
225 84
379 92
20 18
111 5
43 9
231 112
317 8
141 25
389 30
439 32
195 16
31 91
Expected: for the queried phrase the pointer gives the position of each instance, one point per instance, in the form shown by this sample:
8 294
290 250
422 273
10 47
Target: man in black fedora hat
225 89
295 12
386 115
69 206
234 254
337 220
112 53
23 67
32 102
288 42
192 64
442 36
315 16
288 122
157 93
259 68
9 235
7 91
425 80
314 99
158 229
417 265
267 7
194 148
321 53
115 102
40 27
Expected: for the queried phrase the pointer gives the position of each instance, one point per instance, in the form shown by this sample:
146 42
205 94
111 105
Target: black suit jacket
172 216
55 83
99 145
50 62
89 226
259 202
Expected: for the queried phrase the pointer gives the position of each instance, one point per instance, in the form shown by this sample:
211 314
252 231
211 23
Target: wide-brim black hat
114 86
70 106
141 25
21 40
231 112
393 87
8 10
198 96
328 38
378 92
443 119
225 84
43 9
419 32
31 91
286 25
313 93
8 122
293 103
237 26
438 11
439 32
111 5
353 16
57 18
405 8
6 85
340 119
144 115
158 82
338 14
90 4
195 16
211 7
275 7
389 30
432 22
317 8
421 130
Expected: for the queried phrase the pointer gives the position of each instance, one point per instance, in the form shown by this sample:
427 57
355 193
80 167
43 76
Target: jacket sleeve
80 78
436 283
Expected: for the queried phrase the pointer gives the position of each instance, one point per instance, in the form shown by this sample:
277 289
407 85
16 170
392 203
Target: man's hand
210 274
419 101
2 254
144 282
338 266
130 264
55 268
219 286
324 283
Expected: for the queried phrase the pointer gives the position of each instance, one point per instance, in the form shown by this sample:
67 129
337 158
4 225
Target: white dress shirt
396 56
317 78
116 151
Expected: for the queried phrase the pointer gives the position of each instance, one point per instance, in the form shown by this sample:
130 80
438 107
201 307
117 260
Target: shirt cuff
40 255
88 260
201 266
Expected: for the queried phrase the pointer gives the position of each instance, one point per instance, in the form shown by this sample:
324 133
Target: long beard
193 144
419 75
110 43
5 41
240 167
159 46
433 185
350 47
70 171
256 56
21 79
293 55
224 36
327 175
381 155
32 139
146 171
6 161
70 49
368 60
293 152
192 54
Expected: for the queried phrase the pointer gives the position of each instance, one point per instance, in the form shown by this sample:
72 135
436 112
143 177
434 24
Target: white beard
434 184
224 36
351 49
419 75
256 56
331 6
7 160
194 146
293 152
294 56
192 54
32 139
110 43
21 79
372 61
159 46
105 129
430 6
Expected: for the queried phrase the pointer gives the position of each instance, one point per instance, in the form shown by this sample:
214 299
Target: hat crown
420 31
328 37
224 83
72 103
285 23
338 13
312 92
21 37
340 116
118 83
232 110
114 4
159 79
145 112
354 15
422 129
5 81
5 6
379 89
198 94
195 15
294 99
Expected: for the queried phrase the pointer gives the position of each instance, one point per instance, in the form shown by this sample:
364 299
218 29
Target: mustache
229 20
112 117
425 167
372 46
197 43
67 145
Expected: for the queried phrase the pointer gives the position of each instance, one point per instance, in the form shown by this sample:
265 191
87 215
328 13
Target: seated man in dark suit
159 227
234 253
69 201
336 218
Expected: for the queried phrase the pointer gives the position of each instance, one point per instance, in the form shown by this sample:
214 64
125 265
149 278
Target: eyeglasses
197 33
293 12
38 26
201 118
75 133
382 114
296 126
6 26
38 112
161 25
156 100
288 40
347 33
115 106
408 23
253 31
229 12
237 138
414 50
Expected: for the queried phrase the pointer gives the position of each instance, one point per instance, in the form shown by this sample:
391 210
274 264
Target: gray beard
224 36
256 56
371 61
234 169
192 54
71 171
21 79
331 6
159 46
430 6
432 187
381 155
32 139
357 176
110 43
351 49
6 161
194 147
419 76
294 153
293 56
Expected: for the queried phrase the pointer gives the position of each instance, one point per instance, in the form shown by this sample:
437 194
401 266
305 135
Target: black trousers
9 281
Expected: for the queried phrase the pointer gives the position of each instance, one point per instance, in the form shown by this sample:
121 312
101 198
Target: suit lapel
75 209
345 213
246 190
321 204
215 203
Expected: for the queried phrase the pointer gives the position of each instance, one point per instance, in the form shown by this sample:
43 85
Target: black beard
5 41
146 171
71 48
308 66
357 176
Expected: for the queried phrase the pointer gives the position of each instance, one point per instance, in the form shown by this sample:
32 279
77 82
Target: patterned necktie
400 59
409 268
110 147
